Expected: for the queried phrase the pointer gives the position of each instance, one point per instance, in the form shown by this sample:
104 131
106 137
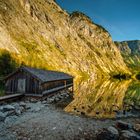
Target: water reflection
105 99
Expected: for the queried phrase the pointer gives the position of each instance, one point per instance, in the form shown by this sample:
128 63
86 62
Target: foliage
7 63
1 88
29 46
138 76
121 76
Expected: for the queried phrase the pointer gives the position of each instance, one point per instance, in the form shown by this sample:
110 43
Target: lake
106 99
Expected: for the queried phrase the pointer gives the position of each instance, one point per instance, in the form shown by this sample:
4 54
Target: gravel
42 120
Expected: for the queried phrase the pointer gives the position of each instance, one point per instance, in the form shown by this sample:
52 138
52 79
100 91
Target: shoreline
41 120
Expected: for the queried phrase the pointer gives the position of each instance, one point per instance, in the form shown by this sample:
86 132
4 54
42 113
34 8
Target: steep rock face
123 47
130 51
105 55
40 34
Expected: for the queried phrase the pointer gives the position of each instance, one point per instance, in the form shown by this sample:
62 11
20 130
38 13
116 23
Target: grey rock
33 101
8 108
37 109
123 125
10 113
137 127
27 107
2 116
113 130
18 112
128 135
1 108
42 106
15 105
23 104
110 133
11 119
50 100
137 107
22 109
56 99
44 102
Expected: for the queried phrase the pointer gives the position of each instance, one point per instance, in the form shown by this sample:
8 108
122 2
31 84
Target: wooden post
72 89
65 84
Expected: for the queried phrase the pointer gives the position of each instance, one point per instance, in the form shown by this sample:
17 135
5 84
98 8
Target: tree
7 63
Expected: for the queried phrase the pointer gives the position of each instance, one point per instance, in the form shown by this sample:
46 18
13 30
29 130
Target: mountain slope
130 51
40 34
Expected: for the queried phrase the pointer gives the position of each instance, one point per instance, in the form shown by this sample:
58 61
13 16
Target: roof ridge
43 75
43 69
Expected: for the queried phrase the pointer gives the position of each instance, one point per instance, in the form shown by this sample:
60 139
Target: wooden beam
56 89
10 97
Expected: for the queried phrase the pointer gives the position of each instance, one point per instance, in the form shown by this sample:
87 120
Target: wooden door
21 85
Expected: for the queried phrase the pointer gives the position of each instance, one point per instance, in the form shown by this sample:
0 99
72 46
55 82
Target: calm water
106 99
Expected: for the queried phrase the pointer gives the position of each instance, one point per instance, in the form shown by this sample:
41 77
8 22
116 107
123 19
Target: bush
1 88
138 76
7 63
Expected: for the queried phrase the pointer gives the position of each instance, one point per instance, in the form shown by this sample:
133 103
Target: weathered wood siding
23 81
55 84
31 83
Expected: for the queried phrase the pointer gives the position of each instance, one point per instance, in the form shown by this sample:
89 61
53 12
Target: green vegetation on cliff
130 51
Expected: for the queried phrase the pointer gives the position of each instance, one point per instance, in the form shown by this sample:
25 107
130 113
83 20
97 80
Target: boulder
27 107
44 102
10 113
32 100
18 112
137 127
129 135
50 100
2 117
8 108
1 108
123 125
137 107
22 109
56 99
23 104
15 105
110 133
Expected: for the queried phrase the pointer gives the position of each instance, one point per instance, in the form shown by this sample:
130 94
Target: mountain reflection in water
107 99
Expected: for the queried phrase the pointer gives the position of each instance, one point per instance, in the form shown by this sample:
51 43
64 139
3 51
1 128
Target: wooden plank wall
54 84
32 84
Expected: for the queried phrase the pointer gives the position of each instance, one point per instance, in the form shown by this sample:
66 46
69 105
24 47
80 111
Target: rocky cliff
39 33
130 51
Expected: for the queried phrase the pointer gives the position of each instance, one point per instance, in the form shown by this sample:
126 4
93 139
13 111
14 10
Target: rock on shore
41 119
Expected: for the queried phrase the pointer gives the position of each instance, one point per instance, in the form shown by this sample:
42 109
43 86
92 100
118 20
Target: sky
120 17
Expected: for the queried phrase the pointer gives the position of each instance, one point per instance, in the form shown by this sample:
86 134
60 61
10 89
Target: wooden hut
36 82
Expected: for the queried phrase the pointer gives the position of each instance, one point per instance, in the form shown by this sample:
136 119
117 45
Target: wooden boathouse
36 82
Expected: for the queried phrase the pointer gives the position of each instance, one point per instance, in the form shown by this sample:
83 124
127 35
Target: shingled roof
45 75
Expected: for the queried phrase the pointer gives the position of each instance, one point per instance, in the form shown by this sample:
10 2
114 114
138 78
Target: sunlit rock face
130 51
41 34
108 99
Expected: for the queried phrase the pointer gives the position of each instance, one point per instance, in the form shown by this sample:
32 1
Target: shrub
7 63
